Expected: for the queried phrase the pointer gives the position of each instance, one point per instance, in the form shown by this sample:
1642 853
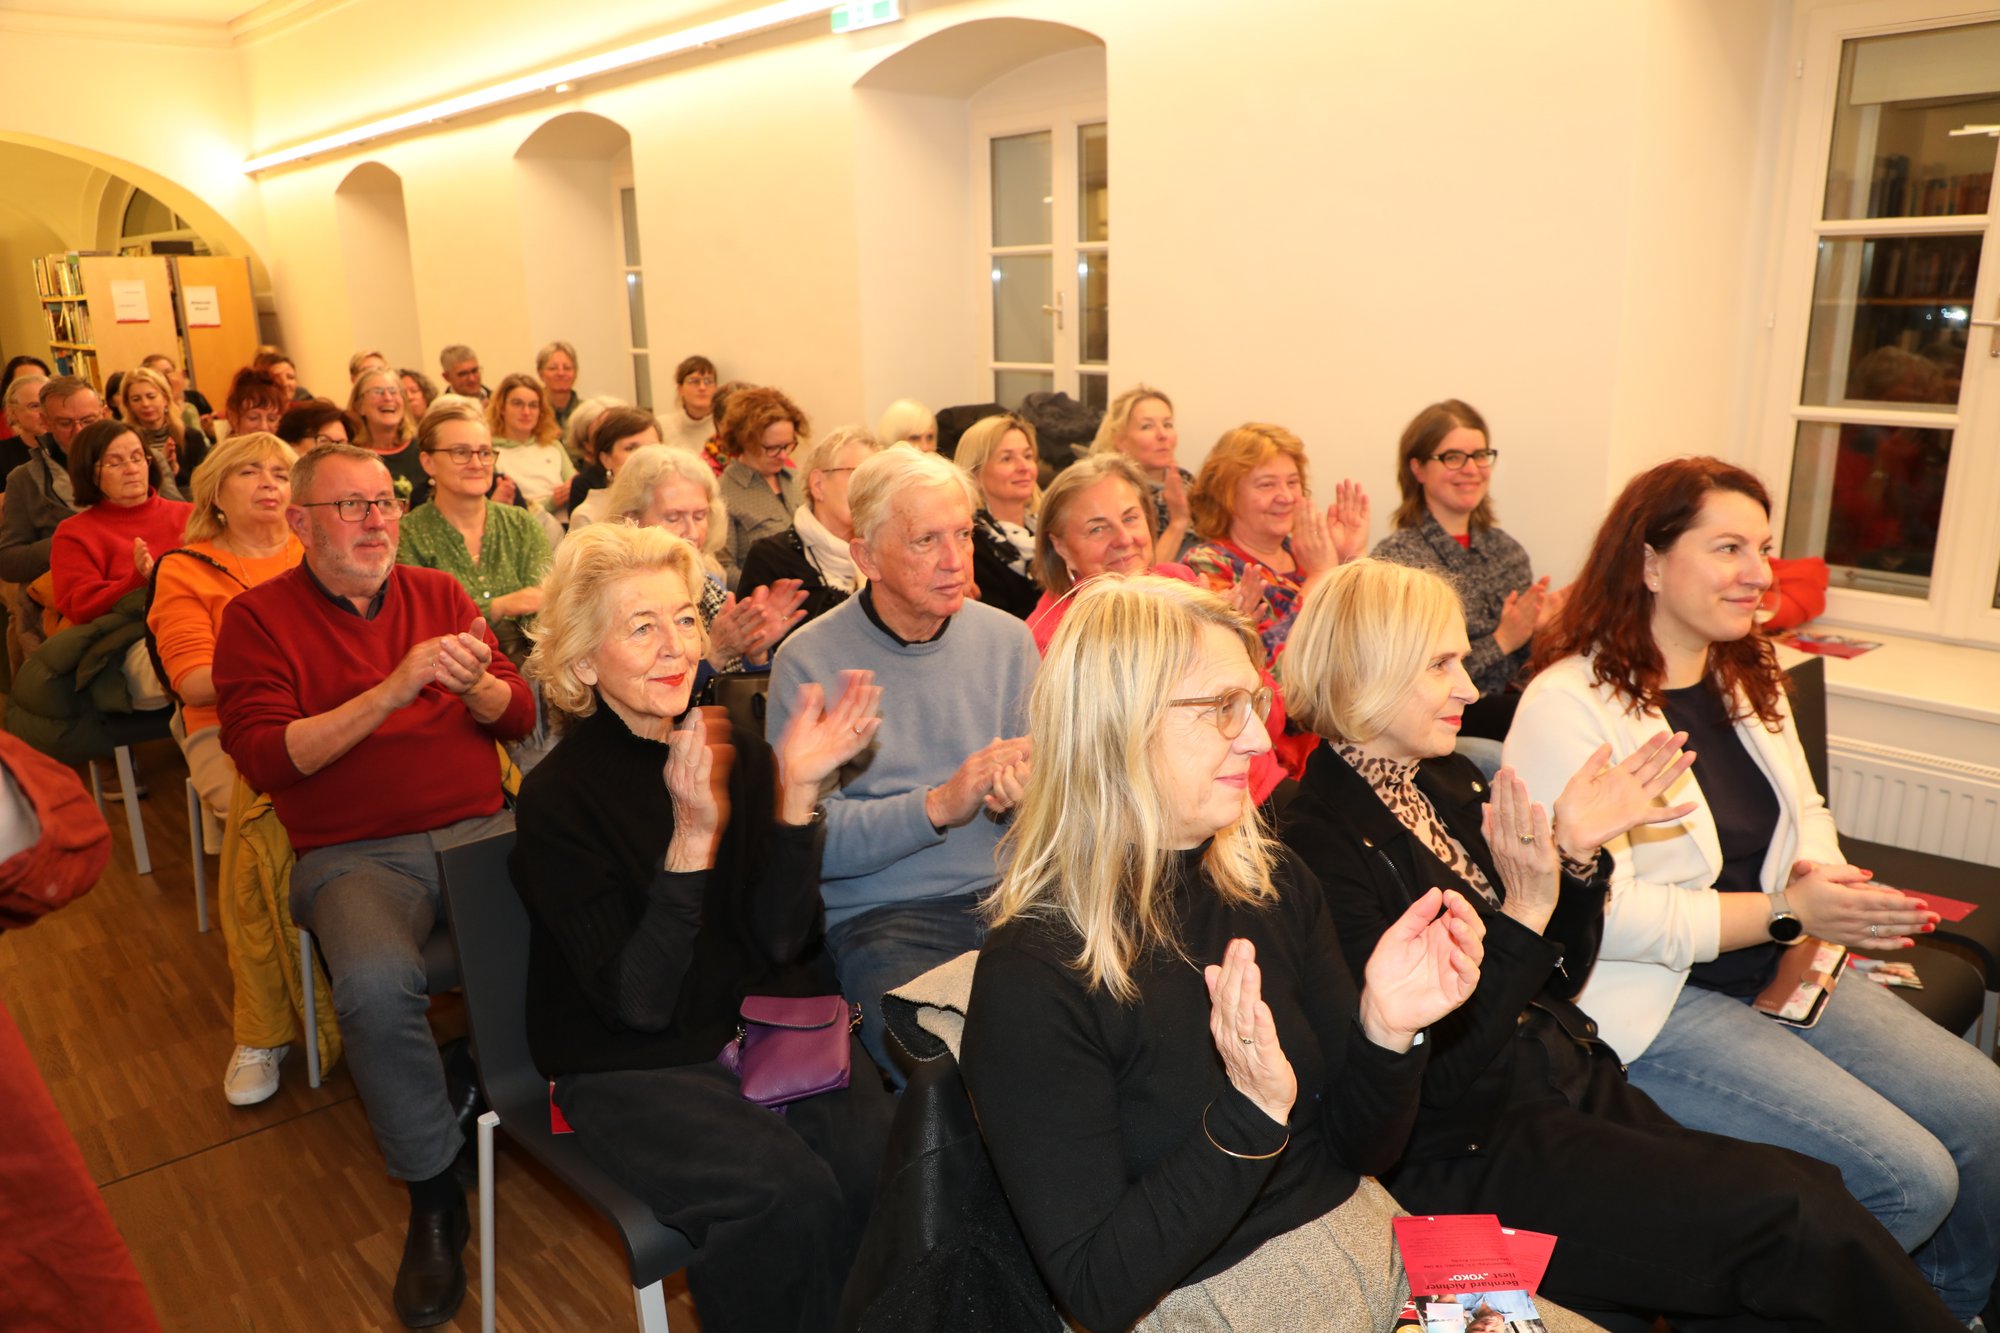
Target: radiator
1920 801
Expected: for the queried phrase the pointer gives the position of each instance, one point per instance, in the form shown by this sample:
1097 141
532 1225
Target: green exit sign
865 14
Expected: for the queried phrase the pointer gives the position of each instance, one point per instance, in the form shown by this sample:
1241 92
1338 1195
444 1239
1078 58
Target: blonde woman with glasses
1181 1084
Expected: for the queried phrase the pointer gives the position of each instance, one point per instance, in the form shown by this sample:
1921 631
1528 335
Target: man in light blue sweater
913 827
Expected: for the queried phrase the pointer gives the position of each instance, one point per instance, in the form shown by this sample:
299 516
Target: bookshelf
105 313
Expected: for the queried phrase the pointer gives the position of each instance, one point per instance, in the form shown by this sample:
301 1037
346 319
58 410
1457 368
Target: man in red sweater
365 698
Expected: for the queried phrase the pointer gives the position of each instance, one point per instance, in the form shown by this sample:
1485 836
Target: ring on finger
1248 1041
1874 932
1527 837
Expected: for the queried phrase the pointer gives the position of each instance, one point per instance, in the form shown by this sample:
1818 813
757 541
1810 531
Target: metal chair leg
197 857
311 1014
135 824
652 1302
487 1313
96 785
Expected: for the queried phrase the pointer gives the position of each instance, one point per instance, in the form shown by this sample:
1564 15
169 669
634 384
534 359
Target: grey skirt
1339 1273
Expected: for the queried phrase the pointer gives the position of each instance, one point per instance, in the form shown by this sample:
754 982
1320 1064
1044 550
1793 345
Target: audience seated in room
460 365
1660 632
146 404
1253 513
669 872
814 551
555 367
497 553
614 433
998 453
364 360
255 402
1564 1144
1140 425
1444 469
418 392
526 438
39 498
911 831
761 432
107 548
274 362
366 699
1181 1085
236 538
691 422
23 401
196 413
389 430
907 421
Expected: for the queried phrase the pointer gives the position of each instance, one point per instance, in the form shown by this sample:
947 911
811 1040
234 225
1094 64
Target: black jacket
1372 869
1000 585
782 555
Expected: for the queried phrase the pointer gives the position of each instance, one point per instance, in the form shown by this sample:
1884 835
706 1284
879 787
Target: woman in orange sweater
235 539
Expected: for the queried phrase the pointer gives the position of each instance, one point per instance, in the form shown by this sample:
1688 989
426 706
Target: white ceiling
185 11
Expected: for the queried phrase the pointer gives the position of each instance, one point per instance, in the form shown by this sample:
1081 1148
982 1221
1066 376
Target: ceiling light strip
712 33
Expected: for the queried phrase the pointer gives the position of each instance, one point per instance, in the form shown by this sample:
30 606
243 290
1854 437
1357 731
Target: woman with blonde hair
525 435
147 404
660 486
1181 1085
1140 425
671 868
388 428
999 454
1256 518
236 538
908 421
814 552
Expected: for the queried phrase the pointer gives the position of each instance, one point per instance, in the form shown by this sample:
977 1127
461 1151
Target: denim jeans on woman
1908 1113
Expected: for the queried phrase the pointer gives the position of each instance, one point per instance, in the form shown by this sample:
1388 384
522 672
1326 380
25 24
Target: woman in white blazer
1659 630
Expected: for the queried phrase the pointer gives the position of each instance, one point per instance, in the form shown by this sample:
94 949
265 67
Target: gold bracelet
1242 1156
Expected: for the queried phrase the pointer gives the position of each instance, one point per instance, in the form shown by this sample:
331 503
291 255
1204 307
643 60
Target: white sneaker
253 1074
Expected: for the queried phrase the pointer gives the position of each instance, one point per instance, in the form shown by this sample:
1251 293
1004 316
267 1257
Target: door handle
1993 324
1057 311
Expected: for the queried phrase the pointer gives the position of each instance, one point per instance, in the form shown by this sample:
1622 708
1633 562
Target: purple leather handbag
788 1048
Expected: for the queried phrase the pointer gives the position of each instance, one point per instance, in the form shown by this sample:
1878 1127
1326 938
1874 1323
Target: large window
1883 426
635 297
1048 256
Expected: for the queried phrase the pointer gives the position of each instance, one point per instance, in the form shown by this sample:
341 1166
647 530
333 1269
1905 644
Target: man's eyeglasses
74 423
1232 708
352 510
1455 459
462 454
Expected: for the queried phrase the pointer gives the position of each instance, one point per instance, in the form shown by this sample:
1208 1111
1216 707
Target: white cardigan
1663 916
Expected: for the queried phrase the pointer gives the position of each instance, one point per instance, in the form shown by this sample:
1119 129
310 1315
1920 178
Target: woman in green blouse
498 552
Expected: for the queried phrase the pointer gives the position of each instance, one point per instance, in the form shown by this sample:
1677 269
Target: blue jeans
881 949
1907 1112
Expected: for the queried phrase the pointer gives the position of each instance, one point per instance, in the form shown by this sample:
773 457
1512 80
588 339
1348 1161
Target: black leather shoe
461 1087
430 1283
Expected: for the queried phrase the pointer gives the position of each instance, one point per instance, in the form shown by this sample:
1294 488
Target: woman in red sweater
106 549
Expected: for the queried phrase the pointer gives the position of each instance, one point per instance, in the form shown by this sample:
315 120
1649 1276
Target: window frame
1959 606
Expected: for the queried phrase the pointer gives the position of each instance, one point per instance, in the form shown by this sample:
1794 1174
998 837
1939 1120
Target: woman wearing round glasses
1445 524
1180 1083
497 552
761 429
123 523
388 428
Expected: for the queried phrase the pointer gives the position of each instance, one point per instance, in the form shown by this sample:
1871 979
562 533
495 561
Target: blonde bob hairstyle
1078 477
205 521
982 440
444 411
902 419
577 602
881 480
1111 431
651 466
1088 845
1212 502
1362 637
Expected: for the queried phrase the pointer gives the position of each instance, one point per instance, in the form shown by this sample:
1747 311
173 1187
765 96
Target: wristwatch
1785 927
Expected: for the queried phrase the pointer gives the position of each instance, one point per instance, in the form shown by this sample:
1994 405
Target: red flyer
1459 1253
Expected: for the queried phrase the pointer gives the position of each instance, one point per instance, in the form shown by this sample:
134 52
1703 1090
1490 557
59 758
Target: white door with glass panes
1047 251
1883 432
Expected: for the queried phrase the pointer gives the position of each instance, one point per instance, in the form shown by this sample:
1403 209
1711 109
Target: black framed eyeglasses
462 454
352 510
1458 458
1232 708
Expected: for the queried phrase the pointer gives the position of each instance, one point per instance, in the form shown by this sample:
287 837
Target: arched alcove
919 184
579 277
375 255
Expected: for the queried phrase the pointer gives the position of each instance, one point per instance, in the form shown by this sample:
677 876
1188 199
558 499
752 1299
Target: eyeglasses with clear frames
353 510
1232 708
462 454
1454 459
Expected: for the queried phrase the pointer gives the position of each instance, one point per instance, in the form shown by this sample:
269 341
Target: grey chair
489 927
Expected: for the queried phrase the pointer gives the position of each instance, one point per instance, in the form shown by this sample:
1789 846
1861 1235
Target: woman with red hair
1659 633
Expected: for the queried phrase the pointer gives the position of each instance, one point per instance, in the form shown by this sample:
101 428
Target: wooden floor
271 1217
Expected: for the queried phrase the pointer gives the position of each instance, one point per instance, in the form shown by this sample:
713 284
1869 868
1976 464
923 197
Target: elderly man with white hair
913 824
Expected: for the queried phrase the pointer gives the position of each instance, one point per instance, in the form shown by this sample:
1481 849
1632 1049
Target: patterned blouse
1396 784
1484 574
1221 564
755 510
513 551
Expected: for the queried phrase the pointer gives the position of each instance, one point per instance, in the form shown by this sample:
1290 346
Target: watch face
1785 929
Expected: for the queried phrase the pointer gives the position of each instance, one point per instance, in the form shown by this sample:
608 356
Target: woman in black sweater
1169 1133
1526 1111
670 870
